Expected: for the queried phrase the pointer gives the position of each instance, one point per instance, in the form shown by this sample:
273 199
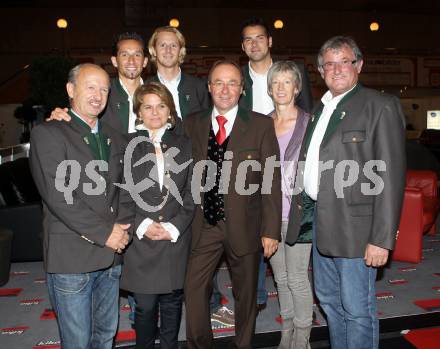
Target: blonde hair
168 29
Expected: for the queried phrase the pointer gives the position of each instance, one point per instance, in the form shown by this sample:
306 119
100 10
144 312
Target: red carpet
425 338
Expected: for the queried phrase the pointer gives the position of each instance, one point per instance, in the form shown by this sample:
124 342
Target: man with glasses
354 177
228 220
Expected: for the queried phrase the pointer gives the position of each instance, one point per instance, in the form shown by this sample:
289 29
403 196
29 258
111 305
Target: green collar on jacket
98 143
246 97
123 105
336 117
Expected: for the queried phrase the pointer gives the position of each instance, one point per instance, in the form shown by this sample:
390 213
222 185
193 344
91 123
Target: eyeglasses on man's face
218 85
344 64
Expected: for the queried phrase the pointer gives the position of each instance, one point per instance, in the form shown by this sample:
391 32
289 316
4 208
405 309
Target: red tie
221 134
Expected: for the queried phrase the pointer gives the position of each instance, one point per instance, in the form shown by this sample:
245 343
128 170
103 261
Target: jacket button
299 207
160 218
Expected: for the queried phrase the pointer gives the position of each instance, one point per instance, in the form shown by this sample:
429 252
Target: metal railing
14 152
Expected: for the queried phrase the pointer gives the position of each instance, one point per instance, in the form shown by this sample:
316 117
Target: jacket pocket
353 136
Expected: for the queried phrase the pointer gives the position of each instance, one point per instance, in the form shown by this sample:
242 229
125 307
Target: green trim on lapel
183 98
336 117
339 114
246 97
123 106
311 127
79 121
98 143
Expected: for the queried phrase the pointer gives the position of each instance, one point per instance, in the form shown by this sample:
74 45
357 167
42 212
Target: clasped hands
118 238
156 231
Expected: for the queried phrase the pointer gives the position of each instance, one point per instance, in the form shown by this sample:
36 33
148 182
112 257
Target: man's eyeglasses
344 64
219 85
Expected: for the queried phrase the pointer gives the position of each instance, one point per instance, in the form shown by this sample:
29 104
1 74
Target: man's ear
114 62
70 89
359 66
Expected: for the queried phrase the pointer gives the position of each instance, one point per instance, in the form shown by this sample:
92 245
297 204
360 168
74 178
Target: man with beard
167 50
256 42
128 57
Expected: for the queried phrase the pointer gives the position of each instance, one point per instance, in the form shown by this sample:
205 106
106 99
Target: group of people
241 168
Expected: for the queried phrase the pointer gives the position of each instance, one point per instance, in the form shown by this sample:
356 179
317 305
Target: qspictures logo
206 174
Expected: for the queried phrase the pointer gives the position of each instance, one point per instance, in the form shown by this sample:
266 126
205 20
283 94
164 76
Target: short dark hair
254 21
225 62
127 36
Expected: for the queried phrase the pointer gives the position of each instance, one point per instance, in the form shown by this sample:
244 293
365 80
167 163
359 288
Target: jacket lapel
122 105
203 128
340 112
246 97
183 98
239 129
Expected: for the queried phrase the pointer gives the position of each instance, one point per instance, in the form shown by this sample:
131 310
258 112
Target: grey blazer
366 126
154 267
75 234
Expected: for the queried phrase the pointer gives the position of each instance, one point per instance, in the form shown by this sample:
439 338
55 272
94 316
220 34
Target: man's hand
157 232
59 115
118 238
375 256
270 246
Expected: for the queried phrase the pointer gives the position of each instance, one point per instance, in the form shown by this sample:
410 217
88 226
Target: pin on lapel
109 141
342 115
187 97
118 105
313 118
86 140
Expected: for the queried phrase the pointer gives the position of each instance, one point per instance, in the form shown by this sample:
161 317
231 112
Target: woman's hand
157 232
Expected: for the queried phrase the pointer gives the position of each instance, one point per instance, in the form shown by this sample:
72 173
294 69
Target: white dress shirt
157 139
312 173
230 116
131 113
261 101
172 86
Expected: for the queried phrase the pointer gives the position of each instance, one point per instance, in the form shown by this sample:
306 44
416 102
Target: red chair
419 213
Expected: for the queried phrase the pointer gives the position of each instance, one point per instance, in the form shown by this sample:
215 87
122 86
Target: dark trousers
145 323
202 264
